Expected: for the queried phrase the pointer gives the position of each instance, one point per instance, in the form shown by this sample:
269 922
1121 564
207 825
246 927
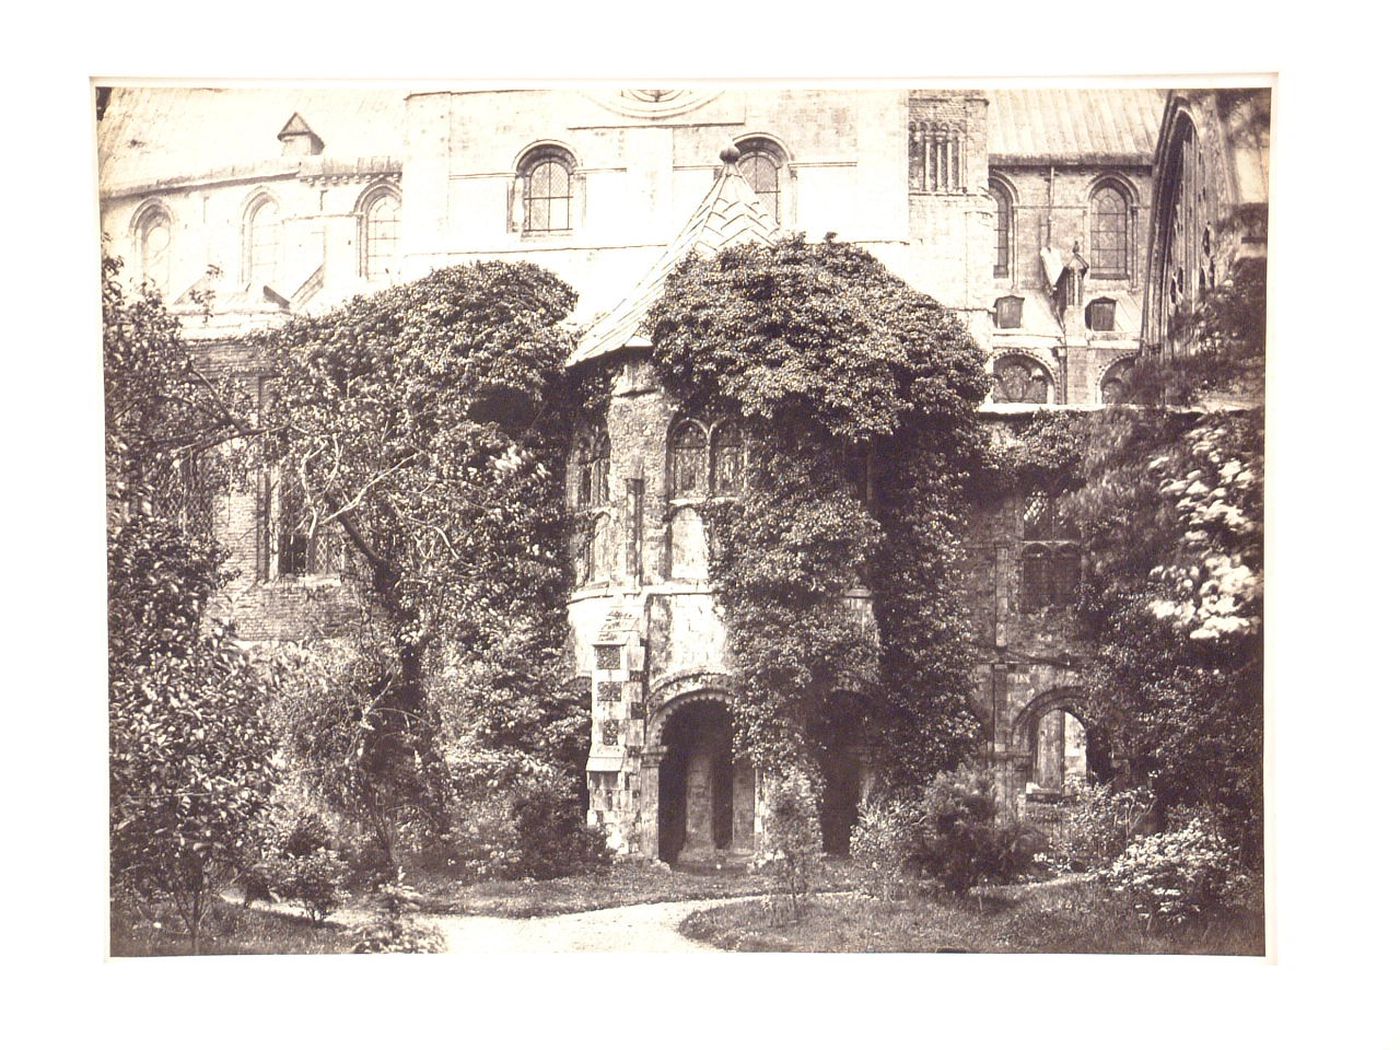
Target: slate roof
729 214
153 134
1102 126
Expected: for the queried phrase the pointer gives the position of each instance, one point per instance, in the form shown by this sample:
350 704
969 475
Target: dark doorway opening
840 802
706 798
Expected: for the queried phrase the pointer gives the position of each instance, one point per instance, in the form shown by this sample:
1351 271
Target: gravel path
631 928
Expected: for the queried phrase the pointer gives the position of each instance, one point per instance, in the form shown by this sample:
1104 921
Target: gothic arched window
1001 265
380 247
547 190
153 233
761 162
1019 379
1108 232
594 461
728 461
263 242
689 456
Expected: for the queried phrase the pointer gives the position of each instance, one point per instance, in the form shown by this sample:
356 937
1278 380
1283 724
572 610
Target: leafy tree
1172 513
190 754
832 363
427 426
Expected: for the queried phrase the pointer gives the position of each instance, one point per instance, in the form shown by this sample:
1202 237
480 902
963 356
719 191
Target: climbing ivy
833 364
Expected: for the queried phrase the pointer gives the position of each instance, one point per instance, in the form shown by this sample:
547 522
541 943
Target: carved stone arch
1118 360
678 689
1063 698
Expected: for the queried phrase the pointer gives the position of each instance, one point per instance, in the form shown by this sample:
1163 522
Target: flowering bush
1097 826
1177 875
882 842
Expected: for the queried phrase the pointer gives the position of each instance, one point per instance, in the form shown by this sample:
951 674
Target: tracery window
761 163
380 250
689 456
1016 378
728 460
594 462
1050 557
547 191
1108 233
1001 265
263 240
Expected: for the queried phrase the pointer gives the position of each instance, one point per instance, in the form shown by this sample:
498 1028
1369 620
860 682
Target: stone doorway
706 796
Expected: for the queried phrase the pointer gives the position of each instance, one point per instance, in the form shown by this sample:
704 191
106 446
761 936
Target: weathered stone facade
977 198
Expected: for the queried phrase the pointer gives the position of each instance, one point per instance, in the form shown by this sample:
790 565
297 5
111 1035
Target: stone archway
698 800
1055 741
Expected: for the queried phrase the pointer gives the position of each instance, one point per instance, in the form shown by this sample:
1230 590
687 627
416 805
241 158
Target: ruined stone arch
678 689
1101 762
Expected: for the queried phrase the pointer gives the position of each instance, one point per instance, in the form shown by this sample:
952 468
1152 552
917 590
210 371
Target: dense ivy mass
839 370
427 426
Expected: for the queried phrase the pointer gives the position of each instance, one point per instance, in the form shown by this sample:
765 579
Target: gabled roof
729 214
297 127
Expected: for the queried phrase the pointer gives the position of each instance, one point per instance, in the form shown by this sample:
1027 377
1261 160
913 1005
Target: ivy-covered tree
838 370
1172 513
426 425
190 754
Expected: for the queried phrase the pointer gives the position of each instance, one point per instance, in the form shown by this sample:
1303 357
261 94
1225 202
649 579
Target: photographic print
715 517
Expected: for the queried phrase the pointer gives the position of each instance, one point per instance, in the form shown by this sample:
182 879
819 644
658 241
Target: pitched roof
151 134
729 214
1074 126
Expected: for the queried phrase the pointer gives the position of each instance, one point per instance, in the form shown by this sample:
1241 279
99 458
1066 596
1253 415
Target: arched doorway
705 795
1060 747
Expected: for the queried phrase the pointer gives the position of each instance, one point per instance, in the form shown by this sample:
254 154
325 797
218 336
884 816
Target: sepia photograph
720 516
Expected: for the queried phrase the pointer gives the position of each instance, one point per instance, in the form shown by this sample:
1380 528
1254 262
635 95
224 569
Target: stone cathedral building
1034 214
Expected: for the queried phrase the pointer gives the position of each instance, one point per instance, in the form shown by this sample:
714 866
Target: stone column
1050 751
699 804
651 801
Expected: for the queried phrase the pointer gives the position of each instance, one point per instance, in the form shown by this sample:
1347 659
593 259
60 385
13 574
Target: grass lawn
619 885
1073 916
227 930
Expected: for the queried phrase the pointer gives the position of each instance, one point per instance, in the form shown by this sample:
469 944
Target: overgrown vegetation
426 427
833 365
190 761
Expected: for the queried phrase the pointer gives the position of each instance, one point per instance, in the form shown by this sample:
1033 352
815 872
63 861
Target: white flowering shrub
1096 826
1177 875
882 842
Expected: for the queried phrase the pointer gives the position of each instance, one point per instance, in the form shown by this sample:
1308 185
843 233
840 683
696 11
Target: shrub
553 837
794 837
484 841
1098 825
961 843
315 880
394 928
882 843
1177 875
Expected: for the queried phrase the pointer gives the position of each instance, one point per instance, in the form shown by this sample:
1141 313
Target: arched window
1108 233
728 461
761 162
546 188
1018 379
594 462
689 452
263 240
1113 387
380 240
154 236
1001 265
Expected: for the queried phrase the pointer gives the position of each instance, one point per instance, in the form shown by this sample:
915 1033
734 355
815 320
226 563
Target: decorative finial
730 154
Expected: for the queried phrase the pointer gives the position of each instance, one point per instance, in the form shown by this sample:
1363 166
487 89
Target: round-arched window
264 242
1017 379
689 453
760 164
548 191
1108 233
154 235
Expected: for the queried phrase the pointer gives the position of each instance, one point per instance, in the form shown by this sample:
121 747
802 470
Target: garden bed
1065 916
227 930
